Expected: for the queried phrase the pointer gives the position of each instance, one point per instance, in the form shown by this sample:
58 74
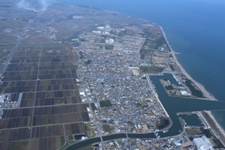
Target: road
17 44
36 87
11 54
92 113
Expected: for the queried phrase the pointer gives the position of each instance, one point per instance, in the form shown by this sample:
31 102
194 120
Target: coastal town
128 60
111 77
75 77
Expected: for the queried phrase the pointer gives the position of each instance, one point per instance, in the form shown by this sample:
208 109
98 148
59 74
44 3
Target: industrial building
203 143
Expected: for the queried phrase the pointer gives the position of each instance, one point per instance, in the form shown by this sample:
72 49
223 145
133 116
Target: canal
174 105
192 120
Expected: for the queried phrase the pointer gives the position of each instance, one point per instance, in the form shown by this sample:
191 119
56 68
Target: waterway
173 105
192 120
108 137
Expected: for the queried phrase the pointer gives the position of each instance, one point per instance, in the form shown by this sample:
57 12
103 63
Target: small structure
82 94
101 28
97 32
2 98
184 93
136 72
109 41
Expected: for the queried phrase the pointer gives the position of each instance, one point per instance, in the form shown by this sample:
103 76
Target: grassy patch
6 135
107 128
89 131
164 122
109 47
70 137
106 103
194 91
151 69
209 133
218 143
88 62
160 41
169 87
130 123
62 140
20 145
47 119
138 105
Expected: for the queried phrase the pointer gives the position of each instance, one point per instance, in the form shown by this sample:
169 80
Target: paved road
17 44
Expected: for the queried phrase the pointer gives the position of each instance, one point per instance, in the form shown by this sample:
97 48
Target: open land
78 71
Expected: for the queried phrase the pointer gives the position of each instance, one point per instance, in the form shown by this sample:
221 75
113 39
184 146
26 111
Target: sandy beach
201 87
217 124
221 130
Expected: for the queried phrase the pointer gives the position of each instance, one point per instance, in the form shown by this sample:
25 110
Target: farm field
51 107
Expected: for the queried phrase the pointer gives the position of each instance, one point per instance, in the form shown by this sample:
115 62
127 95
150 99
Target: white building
2 97
203 143
97 32
101 28
82 94
109 41
184 93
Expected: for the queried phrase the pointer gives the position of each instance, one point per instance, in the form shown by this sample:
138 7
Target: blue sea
195 29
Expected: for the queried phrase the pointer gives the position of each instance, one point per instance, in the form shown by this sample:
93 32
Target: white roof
82 93
2 97
135 72
183 92
203 143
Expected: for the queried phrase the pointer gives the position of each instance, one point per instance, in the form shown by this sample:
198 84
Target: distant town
73 74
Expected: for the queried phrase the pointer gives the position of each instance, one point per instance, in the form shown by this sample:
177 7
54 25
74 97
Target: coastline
200 86
219 127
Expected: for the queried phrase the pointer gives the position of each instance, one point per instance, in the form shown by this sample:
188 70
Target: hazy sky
148 6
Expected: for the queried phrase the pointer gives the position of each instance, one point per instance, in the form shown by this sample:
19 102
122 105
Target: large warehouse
203 143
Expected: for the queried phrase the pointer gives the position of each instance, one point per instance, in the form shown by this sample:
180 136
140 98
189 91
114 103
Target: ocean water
195 29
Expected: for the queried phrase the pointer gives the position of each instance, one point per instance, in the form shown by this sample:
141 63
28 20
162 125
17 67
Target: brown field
43 69
51 106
